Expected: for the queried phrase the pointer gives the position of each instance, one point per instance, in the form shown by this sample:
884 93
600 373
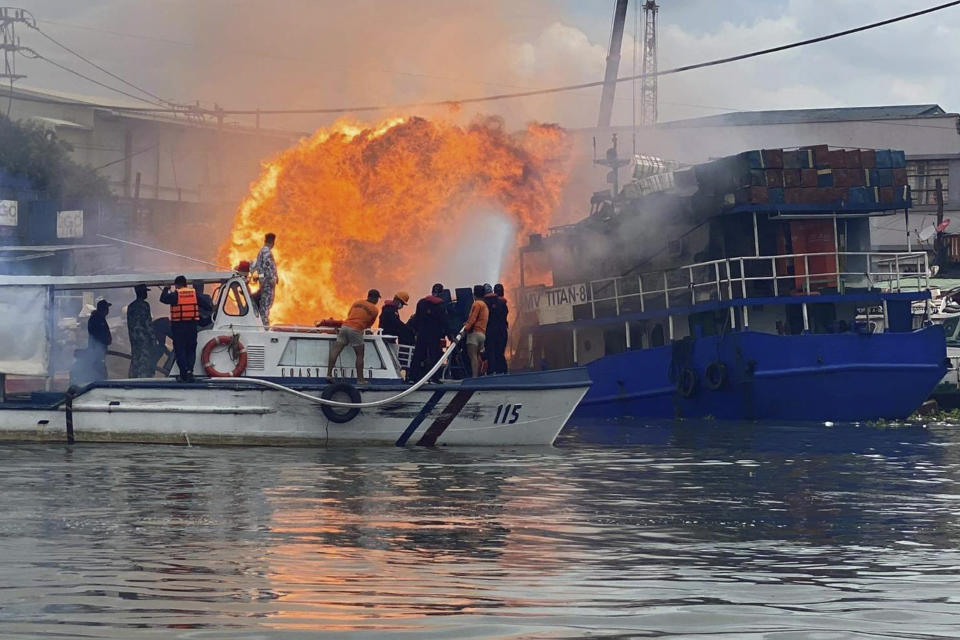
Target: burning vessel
741 288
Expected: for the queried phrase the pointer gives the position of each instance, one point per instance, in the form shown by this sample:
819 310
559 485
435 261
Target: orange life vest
186 308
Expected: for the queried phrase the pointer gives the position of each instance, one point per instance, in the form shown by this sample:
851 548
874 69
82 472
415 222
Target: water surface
693 531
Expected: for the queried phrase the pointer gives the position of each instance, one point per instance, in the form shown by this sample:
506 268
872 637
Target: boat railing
756 277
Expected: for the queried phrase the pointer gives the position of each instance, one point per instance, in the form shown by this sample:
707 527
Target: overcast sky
318 53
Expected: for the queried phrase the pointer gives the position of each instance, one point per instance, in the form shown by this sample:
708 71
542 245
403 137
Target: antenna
648 86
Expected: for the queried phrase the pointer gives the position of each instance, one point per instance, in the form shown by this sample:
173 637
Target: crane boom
613 64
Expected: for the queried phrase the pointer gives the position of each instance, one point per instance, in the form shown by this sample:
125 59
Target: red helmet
244 266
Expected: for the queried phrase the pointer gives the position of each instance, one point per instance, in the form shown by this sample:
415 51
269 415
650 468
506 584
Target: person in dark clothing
496 344
100 339
390 322
184 316
143 344
429 322
205 304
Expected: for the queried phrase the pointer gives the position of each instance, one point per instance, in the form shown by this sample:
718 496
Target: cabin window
314 352
236 302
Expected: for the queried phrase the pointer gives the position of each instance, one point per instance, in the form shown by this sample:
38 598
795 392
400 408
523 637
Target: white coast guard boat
254 385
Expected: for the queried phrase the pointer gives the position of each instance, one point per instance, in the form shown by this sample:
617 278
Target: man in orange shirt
476 328
362 315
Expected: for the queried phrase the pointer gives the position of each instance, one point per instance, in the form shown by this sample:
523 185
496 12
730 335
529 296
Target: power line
158 99
588 85
521 94
37 56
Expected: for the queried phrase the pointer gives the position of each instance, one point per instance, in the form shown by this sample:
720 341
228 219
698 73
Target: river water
692 531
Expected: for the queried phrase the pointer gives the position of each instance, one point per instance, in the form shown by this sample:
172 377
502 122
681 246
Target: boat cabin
43 322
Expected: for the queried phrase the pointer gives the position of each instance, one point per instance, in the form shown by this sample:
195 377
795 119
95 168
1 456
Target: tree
36 153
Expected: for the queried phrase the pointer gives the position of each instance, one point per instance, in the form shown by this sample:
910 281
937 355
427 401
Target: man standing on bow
143 343
266 268
184 316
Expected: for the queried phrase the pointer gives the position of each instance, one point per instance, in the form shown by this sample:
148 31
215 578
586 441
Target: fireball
397 205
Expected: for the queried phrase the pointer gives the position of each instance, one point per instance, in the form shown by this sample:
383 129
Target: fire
362 206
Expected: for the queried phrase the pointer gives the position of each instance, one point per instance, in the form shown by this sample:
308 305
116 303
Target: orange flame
357 206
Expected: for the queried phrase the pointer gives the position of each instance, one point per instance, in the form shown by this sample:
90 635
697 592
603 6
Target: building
928 134
175 176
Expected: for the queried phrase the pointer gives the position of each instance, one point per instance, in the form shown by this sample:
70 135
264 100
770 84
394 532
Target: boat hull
522 409
814 377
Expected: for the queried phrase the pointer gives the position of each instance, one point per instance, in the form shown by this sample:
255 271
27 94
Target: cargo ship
740 288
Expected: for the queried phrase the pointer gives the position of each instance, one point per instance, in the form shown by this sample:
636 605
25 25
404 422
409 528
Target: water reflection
726 531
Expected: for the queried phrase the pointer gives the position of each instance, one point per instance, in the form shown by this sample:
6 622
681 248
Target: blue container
824 177
884 159
898 159
775 195
860 195
884 177
754 159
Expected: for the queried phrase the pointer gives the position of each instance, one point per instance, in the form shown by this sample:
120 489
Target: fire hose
353 405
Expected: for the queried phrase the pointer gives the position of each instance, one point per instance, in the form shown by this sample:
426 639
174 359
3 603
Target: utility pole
648 86
10 17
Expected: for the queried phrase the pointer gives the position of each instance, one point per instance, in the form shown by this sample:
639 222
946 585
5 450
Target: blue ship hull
811 377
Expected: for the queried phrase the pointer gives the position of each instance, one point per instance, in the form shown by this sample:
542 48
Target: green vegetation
39 155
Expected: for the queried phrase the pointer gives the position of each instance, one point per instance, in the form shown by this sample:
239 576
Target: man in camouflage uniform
143 342
266 268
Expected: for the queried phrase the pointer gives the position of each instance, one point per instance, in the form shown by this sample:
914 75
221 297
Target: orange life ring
225 341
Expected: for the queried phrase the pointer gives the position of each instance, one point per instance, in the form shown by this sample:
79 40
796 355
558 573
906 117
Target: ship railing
758 277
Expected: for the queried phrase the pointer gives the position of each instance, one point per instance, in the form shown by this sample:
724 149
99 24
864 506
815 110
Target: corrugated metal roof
799 116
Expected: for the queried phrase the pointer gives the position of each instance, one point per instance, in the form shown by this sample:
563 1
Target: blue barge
761 311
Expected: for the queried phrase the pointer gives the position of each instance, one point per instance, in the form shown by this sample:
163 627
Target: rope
352 405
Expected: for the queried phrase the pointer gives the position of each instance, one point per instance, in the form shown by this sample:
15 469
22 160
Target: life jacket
186 309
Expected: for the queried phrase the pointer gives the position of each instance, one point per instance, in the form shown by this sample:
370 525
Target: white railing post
616 296
666 295
693 289
806 272
896 266
729 281
640 287
626 329
806 318
593 305
716 270
773 270
743 279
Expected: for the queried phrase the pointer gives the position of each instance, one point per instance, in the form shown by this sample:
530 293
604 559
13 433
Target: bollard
68 412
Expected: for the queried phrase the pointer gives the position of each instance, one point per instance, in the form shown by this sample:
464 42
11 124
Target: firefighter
429 324
184 316
496 344
143 344
390 322
362 315
476 329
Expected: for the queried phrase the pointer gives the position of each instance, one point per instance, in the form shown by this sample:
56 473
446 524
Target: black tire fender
340 415
715 375
688 382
